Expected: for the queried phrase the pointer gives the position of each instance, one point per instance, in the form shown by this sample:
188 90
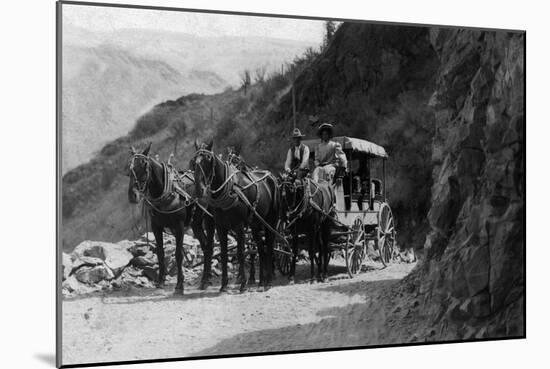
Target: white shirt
330 153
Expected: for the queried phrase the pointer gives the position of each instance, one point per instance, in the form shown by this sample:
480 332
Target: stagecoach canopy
353 144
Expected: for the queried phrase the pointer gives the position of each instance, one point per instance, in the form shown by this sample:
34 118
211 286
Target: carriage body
362 208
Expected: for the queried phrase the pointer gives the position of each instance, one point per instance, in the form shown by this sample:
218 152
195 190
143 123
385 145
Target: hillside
106 89
111 78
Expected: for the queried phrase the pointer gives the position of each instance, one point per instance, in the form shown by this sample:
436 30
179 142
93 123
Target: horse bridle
284 185
141 187
210 179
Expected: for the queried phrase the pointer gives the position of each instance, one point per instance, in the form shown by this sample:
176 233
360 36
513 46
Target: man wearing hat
328 155
297 158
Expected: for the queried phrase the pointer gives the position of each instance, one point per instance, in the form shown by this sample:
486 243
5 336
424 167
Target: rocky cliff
472 280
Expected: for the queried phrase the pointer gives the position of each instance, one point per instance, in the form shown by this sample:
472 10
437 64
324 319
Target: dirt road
147 323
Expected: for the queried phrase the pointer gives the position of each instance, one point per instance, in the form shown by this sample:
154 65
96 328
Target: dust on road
151 324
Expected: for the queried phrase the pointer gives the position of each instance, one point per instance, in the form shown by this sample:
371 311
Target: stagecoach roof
353 144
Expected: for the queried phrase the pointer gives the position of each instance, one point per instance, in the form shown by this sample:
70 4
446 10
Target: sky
96 19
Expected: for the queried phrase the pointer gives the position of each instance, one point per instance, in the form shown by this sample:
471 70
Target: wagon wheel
355 247
386 234
283 251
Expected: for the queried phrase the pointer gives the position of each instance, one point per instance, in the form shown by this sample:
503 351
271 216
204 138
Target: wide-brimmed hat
325 127
297 134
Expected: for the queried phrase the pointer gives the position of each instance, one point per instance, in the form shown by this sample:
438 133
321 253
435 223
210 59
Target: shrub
152 122
108 176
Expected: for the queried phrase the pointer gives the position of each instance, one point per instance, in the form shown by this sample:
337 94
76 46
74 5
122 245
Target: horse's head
290 194
139 171
203 165
235 159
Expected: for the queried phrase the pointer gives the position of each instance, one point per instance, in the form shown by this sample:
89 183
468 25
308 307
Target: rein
221 197
306 202
170 189
229 193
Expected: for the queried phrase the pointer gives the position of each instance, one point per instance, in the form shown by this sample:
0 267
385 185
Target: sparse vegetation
259 74
245 80
330 30
178 130
152 122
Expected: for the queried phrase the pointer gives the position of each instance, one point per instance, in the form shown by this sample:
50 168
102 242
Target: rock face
473 274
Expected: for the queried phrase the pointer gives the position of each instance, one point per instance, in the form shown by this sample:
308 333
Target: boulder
139 249
148 259
191 241
115 256
71 286
93 275
66 266
127 244
407 256
148 237
80 261
89 248
151 273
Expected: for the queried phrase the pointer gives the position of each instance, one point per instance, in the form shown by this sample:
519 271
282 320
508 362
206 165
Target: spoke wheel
386 234
355 248
283 251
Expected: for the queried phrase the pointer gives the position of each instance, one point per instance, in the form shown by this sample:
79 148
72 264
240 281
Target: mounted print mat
237 184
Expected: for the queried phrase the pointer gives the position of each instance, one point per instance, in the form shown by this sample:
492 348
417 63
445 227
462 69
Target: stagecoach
362 210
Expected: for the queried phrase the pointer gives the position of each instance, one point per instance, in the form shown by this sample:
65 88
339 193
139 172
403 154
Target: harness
306 203
229 193
172 180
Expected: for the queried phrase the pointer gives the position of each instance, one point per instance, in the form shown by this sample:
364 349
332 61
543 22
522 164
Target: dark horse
307 208
167 195
239 198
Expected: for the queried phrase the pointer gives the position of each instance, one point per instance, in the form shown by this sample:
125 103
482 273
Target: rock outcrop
472 278
97 266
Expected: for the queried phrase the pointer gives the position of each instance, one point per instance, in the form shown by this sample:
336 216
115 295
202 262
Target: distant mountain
112 78
106 89
226 56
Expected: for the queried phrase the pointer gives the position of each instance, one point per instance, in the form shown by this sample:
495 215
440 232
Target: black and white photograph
237 184
234 184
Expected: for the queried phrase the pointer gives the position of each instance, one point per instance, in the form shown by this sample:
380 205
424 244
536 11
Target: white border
28 181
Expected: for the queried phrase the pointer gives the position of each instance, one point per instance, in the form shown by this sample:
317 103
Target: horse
237 199
166 193
307 208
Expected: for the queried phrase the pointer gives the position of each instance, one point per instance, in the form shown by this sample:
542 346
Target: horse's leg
252 273
157 231
261 258
206 246
241 277
321 257
269 241
178 233
222 235
325 237
294 256
311 251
